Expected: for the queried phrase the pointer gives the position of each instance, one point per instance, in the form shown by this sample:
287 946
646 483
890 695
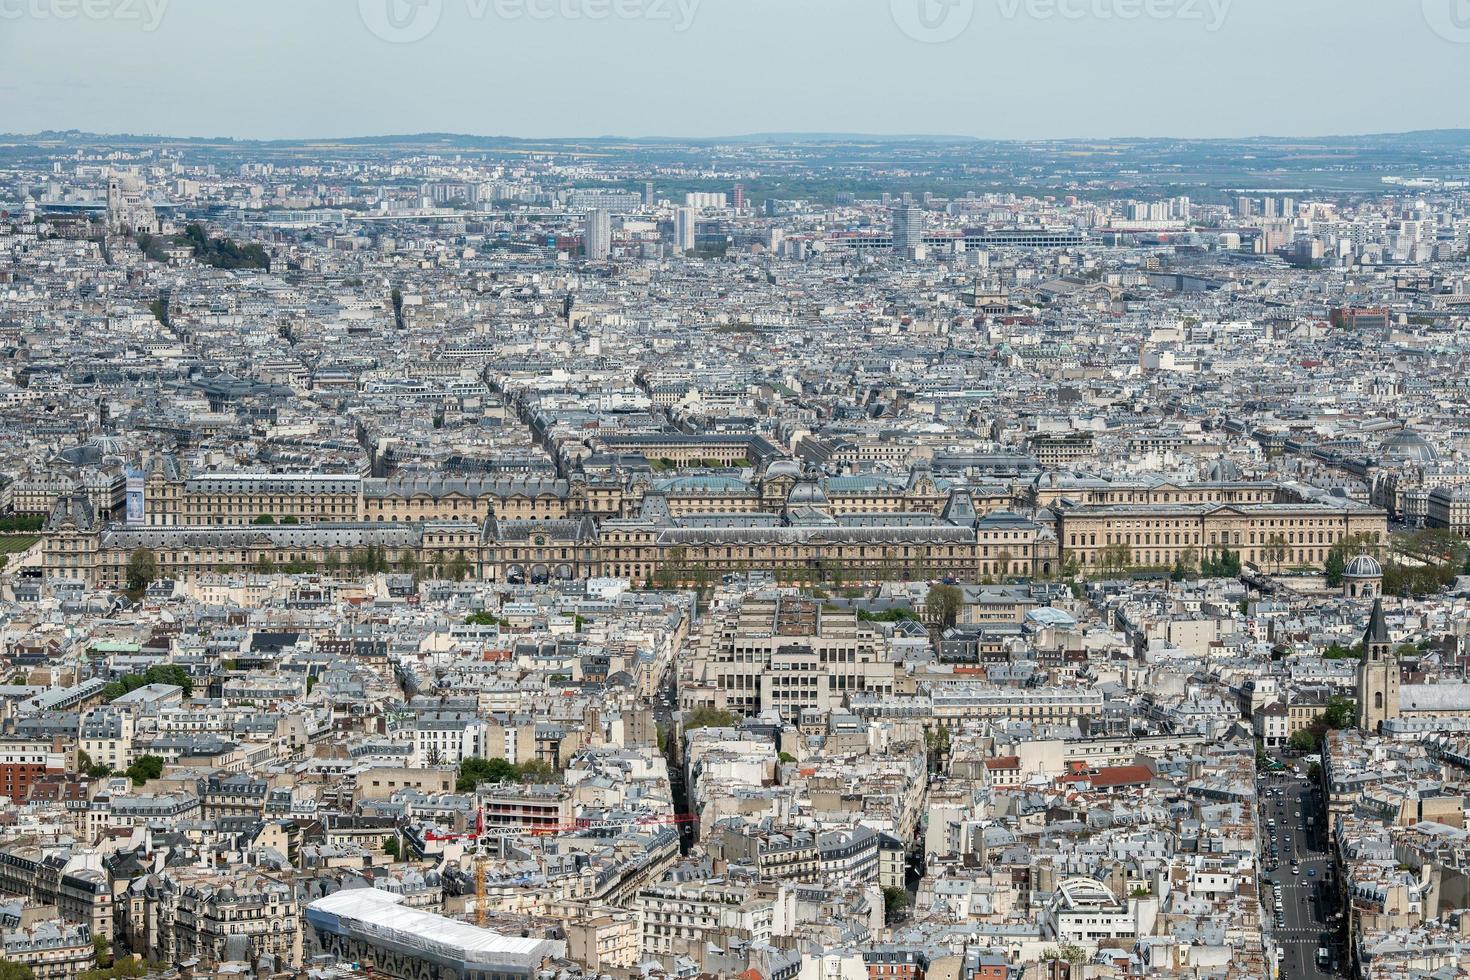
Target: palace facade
689 530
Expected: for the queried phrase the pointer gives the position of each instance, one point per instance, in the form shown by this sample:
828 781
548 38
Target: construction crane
561 830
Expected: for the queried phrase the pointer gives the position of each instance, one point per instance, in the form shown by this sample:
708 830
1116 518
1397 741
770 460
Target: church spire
1377 631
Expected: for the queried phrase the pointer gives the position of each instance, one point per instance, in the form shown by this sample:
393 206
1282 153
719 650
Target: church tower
1378 675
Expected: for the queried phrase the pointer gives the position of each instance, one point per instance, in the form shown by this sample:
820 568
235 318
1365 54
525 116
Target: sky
1003 69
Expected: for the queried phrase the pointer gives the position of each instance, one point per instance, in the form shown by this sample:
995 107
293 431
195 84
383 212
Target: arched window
1378 700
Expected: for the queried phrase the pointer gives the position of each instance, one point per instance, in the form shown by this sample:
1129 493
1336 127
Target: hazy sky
1010 68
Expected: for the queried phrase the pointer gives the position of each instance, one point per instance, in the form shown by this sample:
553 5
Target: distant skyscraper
739 197
908 230
1242 207
597 239
684 229
648 193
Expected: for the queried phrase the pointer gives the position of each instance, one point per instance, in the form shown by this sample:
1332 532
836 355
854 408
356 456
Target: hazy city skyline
1002 69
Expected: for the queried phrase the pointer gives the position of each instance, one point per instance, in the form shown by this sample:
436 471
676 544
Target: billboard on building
135 512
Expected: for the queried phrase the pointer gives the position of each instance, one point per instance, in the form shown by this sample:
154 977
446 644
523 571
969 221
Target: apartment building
786 652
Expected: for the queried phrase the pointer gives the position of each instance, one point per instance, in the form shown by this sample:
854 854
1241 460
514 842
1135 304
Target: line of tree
1221 564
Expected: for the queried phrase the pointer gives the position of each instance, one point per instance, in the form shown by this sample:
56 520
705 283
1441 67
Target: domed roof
808 492
1363 566
783 467
1408 446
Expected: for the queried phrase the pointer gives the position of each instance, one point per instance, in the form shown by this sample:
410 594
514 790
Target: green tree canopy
157 674
144 768
142 569
710 718
942 605
1303 741
474 771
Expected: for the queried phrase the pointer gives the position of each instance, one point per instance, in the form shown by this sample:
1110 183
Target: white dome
1363 566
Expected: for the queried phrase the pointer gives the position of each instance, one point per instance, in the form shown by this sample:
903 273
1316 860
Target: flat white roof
377 914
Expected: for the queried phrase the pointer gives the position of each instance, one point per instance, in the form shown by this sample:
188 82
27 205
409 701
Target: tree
536 771
142 569
895 615
1304 740
144 768
101 951
936 746
1334 565
1069 952
895 903
157 674
710 718
1341 713
1116 558
1275 550
11 970
474 771
458 567
1221 564
942 605
264 519
121 969
390 847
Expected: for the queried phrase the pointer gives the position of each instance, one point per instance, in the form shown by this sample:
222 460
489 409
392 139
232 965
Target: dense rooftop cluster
496 565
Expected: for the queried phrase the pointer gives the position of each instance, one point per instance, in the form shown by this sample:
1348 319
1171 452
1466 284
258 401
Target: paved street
1302 927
